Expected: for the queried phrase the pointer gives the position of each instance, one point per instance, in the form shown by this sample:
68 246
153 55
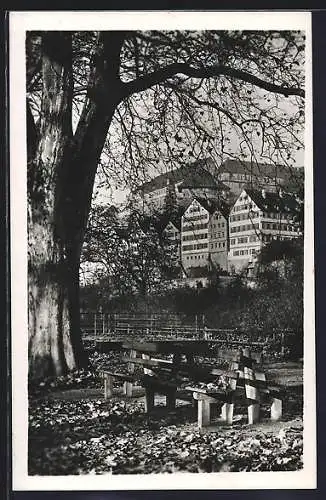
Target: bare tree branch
162 74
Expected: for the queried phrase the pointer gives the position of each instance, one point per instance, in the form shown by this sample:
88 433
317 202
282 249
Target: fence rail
98 325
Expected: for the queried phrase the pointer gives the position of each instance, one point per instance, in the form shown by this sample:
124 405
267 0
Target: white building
256 218
204 235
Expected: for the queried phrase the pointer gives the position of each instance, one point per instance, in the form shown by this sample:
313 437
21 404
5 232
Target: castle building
203 178
189 180
238 174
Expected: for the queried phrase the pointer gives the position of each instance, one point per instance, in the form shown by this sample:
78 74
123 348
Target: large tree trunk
60 182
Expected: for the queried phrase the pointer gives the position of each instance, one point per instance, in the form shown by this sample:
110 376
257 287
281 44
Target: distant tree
170 207
127 252
279 260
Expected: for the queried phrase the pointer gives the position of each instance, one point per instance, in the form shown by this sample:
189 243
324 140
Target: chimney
263 193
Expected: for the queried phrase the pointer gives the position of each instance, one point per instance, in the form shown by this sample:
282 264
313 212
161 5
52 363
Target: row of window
244 227
218 225
250 251
197 246
191 257
273 215
194 227
191 237
218 235
244 239
239 208
270 237
245 216
277 226
220 244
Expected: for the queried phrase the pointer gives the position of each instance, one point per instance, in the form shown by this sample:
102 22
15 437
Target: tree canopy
186 94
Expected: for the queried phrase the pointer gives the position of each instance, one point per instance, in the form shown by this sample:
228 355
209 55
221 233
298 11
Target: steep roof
212 205
270 201
193 172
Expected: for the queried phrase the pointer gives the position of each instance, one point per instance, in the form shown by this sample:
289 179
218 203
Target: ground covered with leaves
73 430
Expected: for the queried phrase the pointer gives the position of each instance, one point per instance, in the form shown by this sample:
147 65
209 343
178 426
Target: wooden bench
109 376
152 384
205 399
247 382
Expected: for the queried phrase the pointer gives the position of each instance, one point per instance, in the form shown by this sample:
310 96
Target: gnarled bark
60 179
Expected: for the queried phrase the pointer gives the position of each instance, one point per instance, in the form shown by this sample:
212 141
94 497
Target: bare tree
146 95
128 251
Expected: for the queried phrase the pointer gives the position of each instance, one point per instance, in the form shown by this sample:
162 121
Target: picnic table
165 376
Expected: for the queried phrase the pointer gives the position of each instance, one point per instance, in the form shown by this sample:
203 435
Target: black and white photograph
162 250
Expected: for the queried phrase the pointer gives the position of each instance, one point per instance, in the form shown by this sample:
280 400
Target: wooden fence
100 325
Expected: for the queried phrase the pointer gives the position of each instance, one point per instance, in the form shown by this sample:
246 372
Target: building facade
194 236
256 218
204 235
218 239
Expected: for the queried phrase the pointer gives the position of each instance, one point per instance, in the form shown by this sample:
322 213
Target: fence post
95 326
103 324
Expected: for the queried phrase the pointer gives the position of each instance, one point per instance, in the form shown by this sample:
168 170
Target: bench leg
253 413
147 371
131 366
170 399
108 386
149 400
127 389
227 412
276 409
204 413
